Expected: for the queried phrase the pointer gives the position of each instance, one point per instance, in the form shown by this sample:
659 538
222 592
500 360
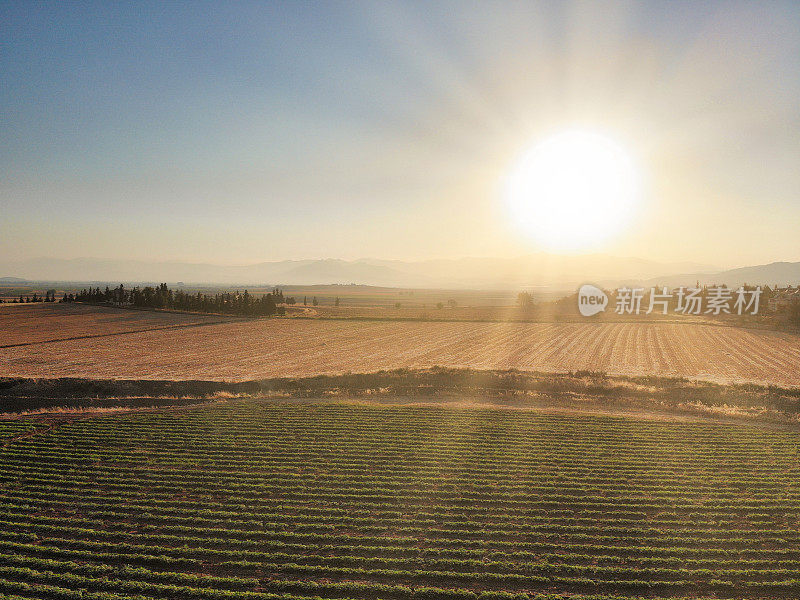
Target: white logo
591 300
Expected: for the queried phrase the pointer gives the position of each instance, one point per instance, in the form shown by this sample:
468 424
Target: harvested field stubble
36 323
256 349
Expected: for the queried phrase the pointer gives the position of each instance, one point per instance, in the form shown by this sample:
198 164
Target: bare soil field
239 350
23 324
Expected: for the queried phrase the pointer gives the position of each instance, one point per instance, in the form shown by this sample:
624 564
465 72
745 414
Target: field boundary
511 388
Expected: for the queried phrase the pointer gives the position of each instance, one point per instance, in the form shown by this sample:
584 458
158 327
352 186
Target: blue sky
242 132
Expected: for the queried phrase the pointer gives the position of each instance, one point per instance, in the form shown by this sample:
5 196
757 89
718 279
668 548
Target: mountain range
538 270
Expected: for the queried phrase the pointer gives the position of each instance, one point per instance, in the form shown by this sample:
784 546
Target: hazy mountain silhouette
510 273
777 273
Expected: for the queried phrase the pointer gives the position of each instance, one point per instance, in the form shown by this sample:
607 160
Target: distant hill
781 273
341 271
540 270
537 270
777 273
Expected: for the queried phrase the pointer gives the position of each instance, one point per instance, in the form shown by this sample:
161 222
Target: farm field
240 350
265 500
35 323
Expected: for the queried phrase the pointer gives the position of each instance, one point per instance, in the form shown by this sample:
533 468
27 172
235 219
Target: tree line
161 296
50 296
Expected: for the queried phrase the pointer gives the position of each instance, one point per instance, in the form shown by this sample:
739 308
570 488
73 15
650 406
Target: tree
794 313
337 300
525 300
270 306
241 303
305 300
439 305
314 301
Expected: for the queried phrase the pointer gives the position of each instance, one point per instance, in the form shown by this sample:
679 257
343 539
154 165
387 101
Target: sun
573 190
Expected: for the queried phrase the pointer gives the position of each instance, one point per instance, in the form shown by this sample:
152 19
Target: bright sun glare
573 190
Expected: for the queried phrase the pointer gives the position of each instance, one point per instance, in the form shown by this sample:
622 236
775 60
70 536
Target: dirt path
550 407
36 431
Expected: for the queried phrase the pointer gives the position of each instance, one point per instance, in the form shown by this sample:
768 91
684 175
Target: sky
236 133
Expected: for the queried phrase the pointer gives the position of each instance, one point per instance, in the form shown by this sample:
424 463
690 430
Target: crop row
260 499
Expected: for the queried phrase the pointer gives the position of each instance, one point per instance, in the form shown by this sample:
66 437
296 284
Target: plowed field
214 348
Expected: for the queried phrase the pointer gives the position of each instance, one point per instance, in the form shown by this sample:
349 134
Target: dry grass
585 393
65 411
66 414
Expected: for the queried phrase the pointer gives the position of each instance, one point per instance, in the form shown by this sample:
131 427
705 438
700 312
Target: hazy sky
238 133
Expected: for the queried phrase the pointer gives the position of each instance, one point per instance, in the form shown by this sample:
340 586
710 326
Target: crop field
25 324
266 500
202 348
